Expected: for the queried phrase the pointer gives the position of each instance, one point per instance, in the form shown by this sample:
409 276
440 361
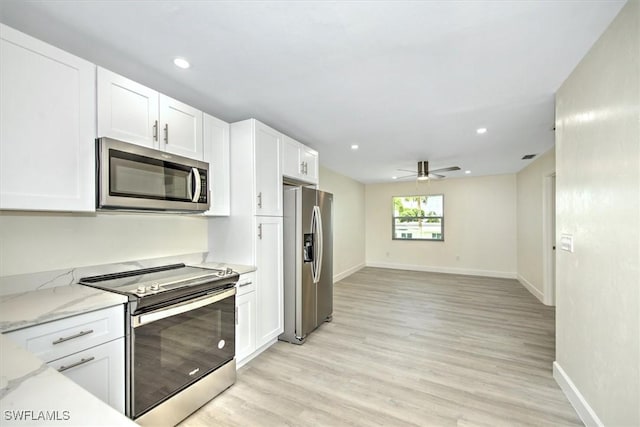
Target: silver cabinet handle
306 168
73 365
301 167
243 284
78 335
166 133
155 131
260 200
260 231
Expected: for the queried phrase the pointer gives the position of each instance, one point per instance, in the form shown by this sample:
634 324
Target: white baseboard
347 272
432 269
586 414
536 293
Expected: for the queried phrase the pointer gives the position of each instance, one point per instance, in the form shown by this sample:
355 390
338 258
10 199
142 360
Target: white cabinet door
127 110
216 153
309 160
47 126
245 325
291 164
268 173
299 161
99 370
181 128
269 280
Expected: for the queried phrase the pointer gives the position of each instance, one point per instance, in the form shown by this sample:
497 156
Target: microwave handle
195 174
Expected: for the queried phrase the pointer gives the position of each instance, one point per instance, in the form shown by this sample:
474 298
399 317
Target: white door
180 128
47 126
216 153
99 370
291 164
309 158
127 110
245 325
269 280
268 173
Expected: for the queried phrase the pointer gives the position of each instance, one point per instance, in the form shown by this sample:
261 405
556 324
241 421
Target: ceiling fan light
422 177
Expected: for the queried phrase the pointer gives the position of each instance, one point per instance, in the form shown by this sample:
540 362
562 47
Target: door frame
548 239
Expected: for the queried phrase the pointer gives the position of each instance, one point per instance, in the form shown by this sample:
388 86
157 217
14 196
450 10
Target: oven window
171 353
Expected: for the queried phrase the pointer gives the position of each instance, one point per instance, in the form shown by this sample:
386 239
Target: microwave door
132 177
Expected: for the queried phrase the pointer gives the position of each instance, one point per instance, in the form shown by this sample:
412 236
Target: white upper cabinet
216 153
268 179
127 110
182 128
134 113
299 162
47 126
256 173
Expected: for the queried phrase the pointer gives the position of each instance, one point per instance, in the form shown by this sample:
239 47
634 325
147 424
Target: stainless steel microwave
131 177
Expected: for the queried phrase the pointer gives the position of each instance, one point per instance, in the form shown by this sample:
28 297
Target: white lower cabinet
245 326
269 280
99 370
87 348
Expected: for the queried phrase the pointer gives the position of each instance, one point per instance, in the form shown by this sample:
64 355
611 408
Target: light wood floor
407 348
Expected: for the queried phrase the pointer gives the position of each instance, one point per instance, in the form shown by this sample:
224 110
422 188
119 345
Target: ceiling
404 80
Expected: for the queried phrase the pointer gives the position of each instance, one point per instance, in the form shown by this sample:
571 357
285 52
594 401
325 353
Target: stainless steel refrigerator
308 261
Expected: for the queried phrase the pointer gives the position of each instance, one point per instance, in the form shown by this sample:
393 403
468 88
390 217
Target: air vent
528 156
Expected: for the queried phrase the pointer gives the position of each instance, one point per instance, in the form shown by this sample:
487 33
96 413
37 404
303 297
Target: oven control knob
141 290
155 287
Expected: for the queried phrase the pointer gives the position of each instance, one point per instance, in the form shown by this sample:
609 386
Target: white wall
530 184
598 202
32 242
348 222
480 227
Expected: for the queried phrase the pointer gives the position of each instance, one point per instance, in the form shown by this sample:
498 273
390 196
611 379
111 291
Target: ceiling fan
423 173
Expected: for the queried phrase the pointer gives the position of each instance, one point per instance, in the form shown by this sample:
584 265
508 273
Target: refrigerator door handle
317 224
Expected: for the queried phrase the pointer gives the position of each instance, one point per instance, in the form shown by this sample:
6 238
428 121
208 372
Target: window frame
394 218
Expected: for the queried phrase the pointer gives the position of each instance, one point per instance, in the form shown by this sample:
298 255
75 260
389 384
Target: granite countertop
31 393
45 305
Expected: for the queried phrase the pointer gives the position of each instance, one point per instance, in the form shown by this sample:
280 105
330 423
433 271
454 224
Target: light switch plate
566 242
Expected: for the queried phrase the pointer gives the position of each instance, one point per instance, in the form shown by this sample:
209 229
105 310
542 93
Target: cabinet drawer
53 340
246 283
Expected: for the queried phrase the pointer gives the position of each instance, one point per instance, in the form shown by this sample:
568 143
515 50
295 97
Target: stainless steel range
180 342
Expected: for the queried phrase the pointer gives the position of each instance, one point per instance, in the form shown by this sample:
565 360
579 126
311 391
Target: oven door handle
146 318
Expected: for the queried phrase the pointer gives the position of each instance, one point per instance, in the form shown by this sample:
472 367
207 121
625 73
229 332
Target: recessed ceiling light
181 63
481 130
354 147
467 172
394 177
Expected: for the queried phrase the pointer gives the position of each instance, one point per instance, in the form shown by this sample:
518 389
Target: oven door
173 347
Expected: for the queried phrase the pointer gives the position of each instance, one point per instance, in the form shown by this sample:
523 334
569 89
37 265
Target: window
418 217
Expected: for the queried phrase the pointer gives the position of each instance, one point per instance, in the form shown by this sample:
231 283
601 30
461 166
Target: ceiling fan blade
449 169
435 175
406 176
406 170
